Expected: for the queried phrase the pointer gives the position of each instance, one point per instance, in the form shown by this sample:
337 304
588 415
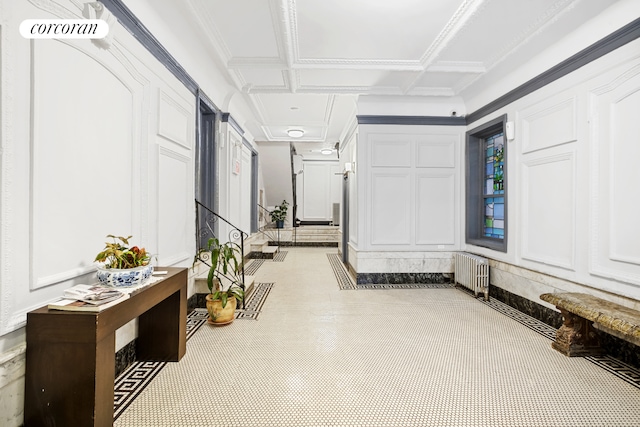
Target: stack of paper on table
89 298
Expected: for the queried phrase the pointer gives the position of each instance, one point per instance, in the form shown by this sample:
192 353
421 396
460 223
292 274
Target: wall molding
529 116
162 125
128 20
603 261
602 47
228 118
613 41
527 253
411 120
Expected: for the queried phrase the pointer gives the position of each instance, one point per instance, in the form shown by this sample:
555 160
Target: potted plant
120 265
224 281
279 214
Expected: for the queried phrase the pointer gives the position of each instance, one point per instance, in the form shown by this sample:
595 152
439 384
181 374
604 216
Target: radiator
472 272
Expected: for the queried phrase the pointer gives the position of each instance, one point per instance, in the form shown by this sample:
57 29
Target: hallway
316 355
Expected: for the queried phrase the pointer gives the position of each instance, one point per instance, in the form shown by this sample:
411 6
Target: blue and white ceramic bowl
124 278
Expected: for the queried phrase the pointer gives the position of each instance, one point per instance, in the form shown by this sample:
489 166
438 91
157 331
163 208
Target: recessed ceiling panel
263 77
245 26
377 30
360 80
296 109
499 27
442 79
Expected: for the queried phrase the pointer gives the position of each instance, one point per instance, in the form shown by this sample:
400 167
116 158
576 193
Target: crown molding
412 120
228 118
144 36
613 41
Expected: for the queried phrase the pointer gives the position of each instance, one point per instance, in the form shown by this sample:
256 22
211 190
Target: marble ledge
405 255
518 285
397 265
535 283
12 365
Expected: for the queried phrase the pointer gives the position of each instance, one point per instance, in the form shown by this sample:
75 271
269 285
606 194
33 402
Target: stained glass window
494 186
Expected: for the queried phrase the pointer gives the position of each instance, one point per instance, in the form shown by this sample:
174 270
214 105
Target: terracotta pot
219 315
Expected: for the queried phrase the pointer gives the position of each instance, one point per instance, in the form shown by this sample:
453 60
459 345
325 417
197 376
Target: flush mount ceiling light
326 151
295 133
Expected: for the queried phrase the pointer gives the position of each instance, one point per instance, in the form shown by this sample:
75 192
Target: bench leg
576 336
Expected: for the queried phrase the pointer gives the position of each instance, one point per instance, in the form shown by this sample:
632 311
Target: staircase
259 248
316 235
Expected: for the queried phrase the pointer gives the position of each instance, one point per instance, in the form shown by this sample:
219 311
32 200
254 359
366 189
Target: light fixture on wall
326 151
97 10
510 131
295 133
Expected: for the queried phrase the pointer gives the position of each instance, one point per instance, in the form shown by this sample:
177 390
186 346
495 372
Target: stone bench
582 313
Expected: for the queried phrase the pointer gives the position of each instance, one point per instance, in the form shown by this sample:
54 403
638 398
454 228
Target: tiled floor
321 356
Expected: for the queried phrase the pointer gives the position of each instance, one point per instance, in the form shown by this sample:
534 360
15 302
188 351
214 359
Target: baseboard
401 278
305 244
125 357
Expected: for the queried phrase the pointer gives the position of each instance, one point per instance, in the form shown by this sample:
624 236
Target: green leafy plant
280 212
118 254
225 274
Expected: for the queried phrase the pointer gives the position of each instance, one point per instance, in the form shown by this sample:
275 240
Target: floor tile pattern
528 321
254 303
345 282
134 379
251 268
622 370
280 256
402 357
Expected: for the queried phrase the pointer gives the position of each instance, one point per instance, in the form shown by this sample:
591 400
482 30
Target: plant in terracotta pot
224 281
122 265
279 214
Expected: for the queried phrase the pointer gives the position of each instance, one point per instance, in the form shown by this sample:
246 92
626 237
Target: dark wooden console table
70 360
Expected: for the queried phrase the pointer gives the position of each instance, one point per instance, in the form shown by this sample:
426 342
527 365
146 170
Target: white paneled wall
574 188
614 191
79 146
409 186
548 214
321 187
94 141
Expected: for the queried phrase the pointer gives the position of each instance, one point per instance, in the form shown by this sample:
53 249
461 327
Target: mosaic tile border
620 369
252 268
344 278
136 377
280 256
253 307
346 282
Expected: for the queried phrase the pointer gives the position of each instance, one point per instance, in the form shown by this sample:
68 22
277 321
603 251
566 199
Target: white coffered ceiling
303 63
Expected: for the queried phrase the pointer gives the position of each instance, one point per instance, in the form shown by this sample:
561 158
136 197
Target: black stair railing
207 224
268 227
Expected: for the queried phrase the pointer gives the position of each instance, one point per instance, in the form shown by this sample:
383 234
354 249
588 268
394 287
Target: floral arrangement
118 254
